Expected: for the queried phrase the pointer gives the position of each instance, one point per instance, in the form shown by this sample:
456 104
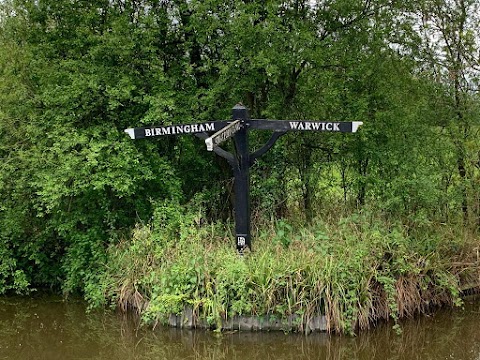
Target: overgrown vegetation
356 270
73 186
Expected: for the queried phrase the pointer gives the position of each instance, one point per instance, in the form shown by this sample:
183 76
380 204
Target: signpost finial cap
240 112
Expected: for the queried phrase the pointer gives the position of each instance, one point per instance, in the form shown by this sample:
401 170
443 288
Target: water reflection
50 328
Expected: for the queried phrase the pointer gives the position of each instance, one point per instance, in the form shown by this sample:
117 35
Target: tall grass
355 270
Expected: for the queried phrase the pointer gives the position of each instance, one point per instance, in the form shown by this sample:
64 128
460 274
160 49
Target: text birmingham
180 129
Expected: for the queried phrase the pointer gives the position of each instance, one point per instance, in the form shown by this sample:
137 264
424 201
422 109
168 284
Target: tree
450 53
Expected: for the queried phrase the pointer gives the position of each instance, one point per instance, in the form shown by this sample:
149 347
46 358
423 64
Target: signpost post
242 159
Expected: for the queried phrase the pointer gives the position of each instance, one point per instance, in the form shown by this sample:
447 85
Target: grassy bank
356 270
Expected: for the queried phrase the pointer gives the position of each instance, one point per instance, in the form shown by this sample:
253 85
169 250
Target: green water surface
46 327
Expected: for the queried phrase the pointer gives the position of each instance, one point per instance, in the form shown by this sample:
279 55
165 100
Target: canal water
50 328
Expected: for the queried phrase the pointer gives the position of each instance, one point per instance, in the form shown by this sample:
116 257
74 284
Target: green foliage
11 277
283 234
71 183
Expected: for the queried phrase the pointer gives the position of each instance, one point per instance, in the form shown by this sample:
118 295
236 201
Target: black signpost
242 159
